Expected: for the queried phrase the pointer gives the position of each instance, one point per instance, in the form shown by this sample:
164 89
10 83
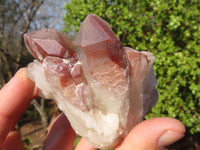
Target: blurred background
170 29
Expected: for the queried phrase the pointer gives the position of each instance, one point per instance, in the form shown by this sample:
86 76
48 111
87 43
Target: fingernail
169 137
19 72
22 74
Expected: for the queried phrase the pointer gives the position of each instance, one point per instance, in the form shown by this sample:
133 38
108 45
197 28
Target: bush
170 29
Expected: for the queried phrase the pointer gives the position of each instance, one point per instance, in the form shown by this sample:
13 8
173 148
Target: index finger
14 100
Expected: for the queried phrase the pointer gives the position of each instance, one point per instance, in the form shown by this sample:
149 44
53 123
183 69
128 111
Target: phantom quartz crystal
103 88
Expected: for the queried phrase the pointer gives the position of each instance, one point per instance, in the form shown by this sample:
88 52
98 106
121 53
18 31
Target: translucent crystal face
103 88
48 42
97 40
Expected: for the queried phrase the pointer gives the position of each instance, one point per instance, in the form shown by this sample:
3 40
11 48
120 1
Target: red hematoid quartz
103 88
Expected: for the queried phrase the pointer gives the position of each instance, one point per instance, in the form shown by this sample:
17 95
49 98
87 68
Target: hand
15 98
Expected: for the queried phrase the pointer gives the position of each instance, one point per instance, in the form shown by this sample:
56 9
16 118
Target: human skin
15 97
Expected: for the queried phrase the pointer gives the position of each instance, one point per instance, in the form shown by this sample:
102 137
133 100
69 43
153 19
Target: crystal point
97 40
48 42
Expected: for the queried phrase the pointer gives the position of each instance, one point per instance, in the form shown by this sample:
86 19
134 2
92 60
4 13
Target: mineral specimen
103 88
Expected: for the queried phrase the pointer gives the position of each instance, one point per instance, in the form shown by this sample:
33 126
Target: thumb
153 134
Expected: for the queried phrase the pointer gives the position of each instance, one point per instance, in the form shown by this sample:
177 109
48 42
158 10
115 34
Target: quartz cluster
103 88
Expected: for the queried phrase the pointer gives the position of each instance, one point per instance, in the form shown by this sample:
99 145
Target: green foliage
170 29
77 139
27 142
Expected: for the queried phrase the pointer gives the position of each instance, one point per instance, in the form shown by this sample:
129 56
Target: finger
13 141
14 100
35 92
83 144
61 135
153 134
